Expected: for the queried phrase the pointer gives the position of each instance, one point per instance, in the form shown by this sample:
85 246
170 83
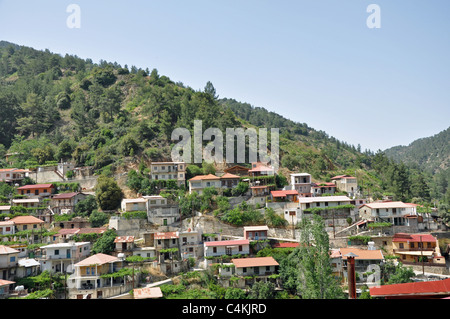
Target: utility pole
421 255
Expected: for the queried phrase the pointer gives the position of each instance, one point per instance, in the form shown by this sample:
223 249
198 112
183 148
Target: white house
226 247
8 262
301 182
58 257
169 170
199 182
397 213
256 266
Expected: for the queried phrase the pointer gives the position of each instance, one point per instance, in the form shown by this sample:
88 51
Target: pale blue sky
312 61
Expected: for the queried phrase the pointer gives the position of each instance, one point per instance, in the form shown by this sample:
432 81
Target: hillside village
156 243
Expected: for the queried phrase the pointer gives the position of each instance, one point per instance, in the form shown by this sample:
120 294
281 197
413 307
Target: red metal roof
427 288
403 237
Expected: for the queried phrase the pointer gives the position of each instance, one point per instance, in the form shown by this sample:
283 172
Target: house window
12 259
240 248
56 251
412 245
214 249
244 270
428 245
401 245
326 203
36 192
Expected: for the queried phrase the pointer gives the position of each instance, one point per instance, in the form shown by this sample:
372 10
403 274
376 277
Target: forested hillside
429 153
106 115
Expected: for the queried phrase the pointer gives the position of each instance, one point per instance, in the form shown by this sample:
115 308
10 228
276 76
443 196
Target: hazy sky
314 62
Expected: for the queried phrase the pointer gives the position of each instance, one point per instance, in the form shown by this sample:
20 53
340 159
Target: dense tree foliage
96 114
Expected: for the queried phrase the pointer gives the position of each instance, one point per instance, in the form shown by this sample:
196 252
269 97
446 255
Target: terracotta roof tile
97 259
254 262
26 220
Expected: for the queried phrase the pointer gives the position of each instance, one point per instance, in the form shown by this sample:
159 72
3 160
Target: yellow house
412 248
89 278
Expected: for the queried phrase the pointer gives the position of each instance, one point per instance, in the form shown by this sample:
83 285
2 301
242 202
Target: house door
229 251
68 253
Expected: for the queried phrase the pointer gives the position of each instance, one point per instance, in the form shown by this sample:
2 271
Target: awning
416 253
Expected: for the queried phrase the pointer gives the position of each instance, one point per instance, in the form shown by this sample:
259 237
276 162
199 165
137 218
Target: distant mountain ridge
430 153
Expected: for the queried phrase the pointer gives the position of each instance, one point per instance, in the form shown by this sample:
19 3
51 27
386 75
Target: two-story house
319 189
59 257
256 232
124 245
160 211
91 280
134 204
366 260
200 182
301 182
7 227
12 175
169 170
397 213
167 246
191 243
249 270
225 247
37 190
65 203
346 183
28 222
9 258
412 249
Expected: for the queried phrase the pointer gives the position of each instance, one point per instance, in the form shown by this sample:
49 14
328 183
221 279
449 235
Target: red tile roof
228 175
36 186
254 262
362 254
18 220
7 250
97 259
284 193
205 177
427 288
6 282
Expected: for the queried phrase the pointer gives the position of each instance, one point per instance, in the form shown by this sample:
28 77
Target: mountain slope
431 153
114 118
